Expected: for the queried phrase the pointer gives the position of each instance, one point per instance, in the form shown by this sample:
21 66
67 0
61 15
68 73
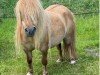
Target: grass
77 6
87 37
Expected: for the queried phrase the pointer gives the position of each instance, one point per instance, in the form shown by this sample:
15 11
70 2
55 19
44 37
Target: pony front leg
29 61
44 61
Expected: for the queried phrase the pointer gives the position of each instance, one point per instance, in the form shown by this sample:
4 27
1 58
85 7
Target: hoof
59 60
72 62
45 73
29 73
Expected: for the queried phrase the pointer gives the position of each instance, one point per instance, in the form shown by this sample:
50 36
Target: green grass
87 37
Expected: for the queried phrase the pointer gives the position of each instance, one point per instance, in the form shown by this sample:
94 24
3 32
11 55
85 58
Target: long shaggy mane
34 10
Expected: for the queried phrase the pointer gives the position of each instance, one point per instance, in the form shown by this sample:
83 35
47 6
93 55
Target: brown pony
43 29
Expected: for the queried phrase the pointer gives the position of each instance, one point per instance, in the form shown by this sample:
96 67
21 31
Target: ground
87 43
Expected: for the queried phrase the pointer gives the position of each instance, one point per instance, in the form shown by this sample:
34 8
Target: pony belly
56 34
56 40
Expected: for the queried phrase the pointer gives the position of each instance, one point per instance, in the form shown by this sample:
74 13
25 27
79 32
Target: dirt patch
92 52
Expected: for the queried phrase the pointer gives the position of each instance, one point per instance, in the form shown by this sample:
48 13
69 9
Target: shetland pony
43 29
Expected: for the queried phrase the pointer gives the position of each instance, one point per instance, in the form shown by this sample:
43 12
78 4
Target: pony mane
34 10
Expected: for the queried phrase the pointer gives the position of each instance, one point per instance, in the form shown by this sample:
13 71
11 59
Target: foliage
77 6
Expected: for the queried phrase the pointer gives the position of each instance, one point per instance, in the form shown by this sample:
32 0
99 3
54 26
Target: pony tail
18 30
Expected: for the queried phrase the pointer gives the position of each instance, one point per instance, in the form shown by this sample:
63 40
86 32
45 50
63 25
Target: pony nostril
34 29
26 30
30 31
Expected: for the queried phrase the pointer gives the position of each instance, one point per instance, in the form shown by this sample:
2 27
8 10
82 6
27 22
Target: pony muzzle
30 31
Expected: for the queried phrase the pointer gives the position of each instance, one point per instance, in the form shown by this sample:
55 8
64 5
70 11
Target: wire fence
84 13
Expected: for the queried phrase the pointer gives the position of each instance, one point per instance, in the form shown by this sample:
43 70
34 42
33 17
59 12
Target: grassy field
87 43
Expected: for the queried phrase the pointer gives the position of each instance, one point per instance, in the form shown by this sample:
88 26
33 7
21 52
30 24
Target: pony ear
24 25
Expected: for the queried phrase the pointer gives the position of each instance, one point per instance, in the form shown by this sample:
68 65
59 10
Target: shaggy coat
53 25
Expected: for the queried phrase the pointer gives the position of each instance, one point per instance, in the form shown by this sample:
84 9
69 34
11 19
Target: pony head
31 13
29 27
30 21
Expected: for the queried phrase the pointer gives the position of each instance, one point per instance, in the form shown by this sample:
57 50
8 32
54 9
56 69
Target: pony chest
28 44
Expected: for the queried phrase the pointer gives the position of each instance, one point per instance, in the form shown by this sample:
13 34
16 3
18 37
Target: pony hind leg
69 50
60 59
72 53
29 61
65 49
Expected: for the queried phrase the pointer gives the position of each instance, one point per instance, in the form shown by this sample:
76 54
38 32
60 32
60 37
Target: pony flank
43 29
